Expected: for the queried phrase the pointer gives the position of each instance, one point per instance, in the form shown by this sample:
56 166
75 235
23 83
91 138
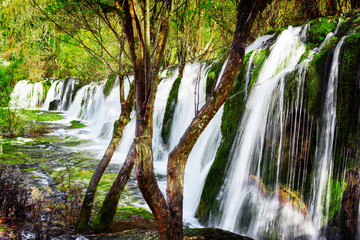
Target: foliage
12 122
68 210
13 195
21 122
36 49
286 196
8 77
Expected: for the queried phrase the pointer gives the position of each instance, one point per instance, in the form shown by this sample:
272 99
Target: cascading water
162 95
325 147
27 95
272 134
249 143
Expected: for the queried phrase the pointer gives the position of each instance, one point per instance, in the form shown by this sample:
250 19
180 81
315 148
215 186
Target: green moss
212 75
316 78
258 61
109 84
127 213
350 23
76 124
348 107
233 110
73 143
77 174
39 115
337 189
170 110
319 28
76 88
46 86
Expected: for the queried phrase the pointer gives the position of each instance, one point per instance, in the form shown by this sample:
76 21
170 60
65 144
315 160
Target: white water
244 208
26 95
260 42
162 95
248 146
325 147
185 107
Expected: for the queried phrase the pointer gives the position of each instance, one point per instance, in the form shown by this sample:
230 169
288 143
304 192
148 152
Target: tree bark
148 185
178 157
119 125
108 209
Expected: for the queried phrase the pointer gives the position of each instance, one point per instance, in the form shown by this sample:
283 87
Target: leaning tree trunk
108 209
86 208
178 157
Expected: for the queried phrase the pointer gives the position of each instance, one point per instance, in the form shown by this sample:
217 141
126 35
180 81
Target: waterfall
162 95
185 107
325 146
26 95
246 153
272 154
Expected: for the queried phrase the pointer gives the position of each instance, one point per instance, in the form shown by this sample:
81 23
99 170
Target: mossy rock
76 124
128 212
351 23
110 82
46 86
54 104
348 105
317 77
77 87
233 110
319 28
212 75
170 110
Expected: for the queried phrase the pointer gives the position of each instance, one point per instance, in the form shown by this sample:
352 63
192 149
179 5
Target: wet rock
212 233
350 204
54 104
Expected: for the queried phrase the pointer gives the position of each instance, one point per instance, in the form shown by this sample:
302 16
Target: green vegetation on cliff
170 110
348 107
233 110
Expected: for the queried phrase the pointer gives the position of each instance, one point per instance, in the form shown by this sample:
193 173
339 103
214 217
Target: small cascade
198 166
162 95
60 95
325 147
27 95
260 42
185 107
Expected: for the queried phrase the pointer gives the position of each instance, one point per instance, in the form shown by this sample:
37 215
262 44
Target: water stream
272 133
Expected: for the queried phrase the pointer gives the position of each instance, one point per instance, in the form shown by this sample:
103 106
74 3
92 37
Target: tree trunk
119 125
178 157
108 209
354 4
149 187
